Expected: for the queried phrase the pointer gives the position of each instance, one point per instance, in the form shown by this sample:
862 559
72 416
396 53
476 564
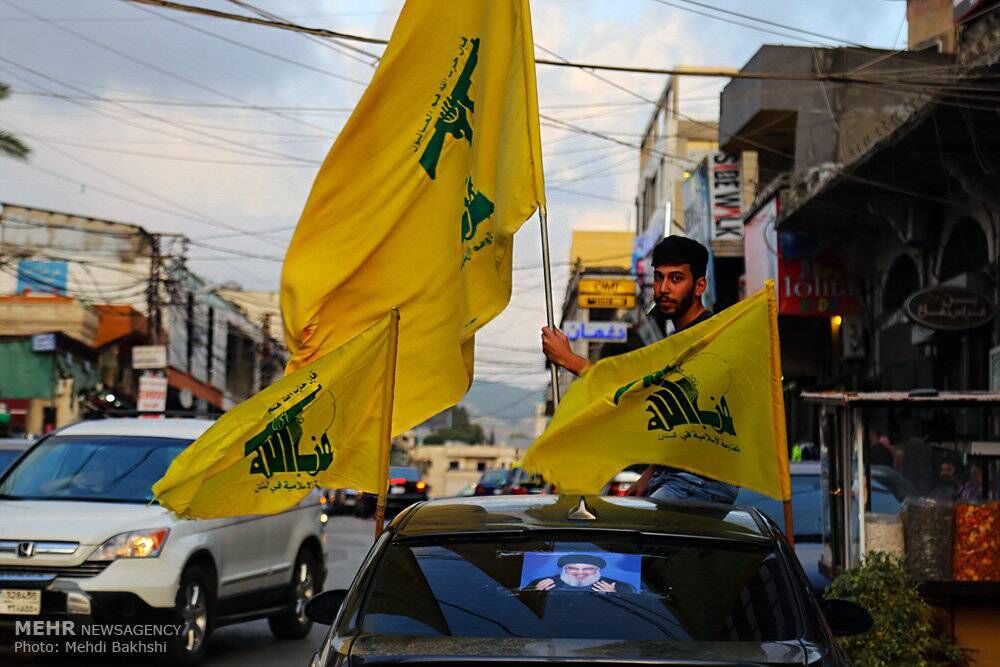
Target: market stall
917 475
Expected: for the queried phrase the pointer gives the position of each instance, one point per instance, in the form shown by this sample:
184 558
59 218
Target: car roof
453 516
188 429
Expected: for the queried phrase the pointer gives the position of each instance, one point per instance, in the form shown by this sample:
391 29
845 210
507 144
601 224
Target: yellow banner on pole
324 426
417 203
707 400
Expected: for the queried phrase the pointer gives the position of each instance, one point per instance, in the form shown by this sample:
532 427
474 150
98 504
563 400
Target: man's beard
682 306
580 583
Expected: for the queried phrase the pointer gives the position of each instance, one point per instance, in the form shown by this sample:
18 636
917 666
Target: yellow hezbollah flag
324 426
418 201
707 400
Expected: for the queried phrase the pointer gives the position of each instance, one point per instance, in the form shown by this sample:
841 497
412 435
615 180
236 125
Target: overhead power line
270 23
788 31
335 46
832 77
258 152
153 66
253 49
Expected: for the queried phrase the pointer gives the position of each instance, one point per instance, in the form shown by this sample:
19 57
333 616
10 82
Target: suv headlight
137 544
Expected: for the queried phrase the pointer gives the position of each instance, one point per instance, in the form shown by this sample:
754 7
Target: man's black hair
676 250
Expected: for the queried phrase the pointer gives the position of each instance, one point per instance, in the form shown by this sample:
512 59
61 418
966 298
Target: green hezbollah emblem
276 448
675 402
477 209
454 116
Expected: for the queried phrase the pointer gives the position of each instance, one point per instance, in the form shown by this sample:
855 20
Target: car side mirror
323 608
846 618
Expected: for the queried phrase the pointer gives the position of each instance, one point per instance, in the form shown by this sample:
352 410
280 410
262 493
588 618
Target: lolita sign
949 308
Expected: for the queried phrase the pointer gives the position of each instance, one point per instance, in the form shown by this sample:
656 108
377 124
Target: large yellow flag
418 201
324 426
707 400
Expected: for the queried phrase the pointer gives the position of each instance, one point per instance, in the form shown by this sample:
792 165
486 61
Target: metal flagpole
549 316
789 528
390 389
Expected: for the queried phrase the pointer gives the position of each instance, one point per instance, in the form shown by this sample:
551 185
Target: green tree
10 145
904 632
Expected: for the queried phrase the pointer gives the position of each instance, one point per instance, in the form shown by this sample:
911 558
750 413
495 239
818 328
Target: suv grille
81 571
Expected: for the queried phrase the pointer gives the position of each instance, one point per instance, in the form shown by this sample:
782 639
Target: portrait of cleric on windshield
578 572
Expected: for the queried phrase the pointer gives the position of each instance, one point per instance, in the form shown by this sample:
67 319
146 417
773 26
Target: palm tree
10 145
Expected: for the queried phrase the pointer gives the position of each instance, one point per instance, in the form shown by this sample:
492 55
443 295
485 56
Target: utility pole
153 290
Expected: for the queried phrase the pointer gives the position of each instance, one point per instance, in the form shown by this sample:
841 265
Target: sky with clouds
215 129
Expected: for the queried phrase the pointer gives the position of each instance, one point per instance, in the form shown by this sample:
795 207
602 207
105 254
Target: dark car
406 486
540 579
521 482
888 491
492 482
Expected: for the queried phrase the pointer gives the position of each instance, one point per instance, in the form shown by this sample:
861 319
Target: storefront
917 475
818 307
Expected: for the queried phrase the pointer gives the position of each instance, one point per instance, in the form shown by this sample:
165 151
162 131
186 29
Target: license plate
396 490
14 601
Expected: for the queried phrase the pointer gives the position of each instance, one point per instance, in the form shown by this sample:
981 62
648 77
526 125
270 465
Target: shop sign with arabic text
950 308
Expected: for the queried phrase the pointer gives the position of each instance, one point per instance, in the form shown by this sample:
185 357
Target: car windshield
402 472
588 588
94 468
494 477
530 480
8 456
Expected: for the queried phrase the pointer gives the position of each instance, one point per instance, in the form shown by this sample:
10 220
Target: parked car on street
492 482
82 540
343 501
540 579
889 490
521 482
406 486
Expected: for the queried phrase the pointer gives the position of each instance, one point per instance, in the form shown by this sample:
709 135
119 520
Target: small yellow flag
323 426
707 400
417 203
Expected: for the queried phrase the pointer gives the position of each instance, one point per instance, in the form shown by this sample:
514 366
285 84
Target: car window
404 472
8 456
100 468
807 522
525 479
494 477
657 590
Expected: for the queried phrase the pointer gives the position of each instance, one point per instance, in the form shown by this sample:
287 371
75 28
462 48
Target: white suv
81 541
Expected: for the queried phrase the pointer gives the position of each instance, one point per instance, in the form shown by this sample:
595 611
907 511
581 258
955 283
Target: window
453 465
101 468
498 477
902 281
967 250
481 466
409 473
659 589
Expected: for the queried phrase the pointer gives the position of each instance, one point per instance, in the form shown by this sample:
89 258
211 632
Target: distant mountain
502 401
